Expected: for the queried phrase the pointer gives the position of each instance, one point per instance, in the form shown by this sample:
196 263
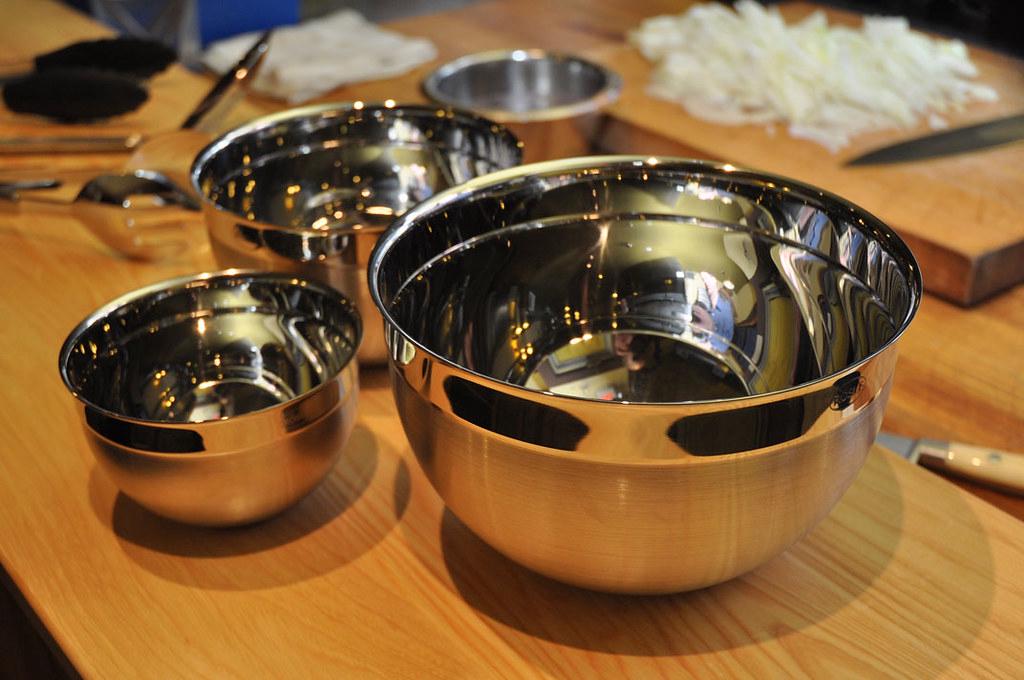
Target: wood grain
370 577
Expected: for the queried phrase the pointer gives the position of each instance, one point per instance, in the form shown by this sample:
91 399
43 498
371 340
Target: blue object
225 18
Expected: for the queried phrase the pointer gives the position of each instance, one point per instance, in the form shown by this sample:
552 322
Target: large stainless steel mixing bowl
308 190
641 375
219 398
553 102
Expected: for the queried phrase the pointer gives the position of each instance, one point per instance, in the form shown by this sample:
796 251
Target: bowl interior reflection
519 85
641 310
335 168
642 284
212 349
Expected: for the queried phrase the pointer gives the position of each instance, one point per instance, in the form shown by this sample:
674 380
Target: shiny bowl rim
605 96
204 155
494 179
180 282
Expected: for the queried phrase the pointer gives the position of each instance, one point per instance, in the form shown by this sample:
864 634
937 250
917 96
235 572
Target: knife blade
985 135
999 469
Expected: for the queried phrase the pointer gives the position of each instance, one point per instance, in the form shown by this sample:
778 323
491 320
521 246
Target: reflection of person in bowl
622 343
701 317
713 312
681 311
669 299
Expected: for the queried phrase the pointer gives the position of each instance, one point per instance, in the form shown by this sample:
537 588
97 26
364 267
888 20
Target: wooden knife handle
1000 469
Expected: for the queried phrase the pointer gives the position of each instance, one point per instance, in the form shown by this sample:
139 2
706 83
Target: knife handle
991 467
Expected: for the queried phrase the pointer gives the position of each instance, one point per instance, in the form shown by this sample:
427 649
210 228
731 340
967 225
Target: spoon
141 214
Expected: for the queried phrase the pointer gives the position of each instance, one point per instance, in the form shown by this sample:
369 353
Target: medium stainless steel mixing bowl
307 191
553 102
641 375
219 398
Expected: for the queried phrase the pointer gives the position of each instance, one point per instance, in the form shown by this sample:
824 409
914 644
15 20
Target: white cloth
316 56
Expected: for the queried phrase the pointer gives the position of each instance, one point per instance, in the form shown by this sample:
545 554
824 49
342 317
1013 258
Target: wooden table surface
910 576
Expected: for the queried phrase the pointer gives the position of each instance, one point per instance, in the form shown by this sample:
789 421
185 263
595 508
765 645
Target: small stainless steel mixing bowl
551 101
641 375
220 398
308 190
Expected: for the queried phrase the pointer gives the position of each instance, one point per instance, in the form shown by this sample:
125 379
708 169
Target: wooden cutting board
961 215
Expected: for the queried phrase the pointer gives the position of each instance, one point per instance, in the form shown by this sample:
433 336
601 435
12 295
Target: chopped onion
828 83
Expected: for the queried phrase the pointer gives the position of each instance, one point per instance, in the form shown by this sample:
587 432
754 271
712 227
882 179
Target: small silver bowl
309 190
641 374
219 398
551 101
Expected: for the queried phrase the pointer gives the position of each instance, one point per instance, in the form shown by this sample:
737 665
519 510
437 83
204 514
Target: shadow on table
327 529
822 582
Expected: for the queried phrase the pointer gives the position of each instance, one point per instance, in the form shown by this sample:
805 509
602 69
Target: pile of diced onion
828 83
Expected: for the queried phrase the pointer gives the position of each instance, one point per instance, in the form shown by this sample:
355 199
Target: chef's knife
948 142
1000 469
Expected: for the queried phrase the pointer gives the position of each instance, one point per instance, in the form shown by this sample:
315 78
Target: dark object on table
87 80
131 56
990 23
75 95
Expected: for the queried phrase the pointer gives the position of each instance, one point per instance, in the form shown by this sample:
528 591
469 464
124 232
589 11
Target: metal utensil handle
35 189
70 144
245 68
